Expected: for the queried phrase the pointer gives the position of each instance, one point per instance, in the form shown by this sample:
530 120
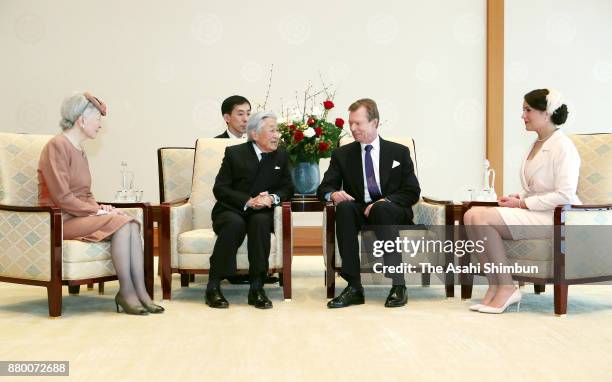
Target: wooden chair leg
330 275
74 289
286 277
166 281
466 279
192 278
450 290
425 279
466 292
280 278
449 279
184 280
560 299
90 286
539 288
54 297
100 288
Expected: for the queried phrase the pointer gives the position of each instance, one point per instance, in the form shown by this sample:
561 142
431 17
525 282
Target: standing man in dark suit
236 111
254 178
372 182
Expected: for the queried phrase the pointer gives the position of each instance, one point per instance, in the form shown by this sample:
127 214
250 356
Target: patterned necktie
370 176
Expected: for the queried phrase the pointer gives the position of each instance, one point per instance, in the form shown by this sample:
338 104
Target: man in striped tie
372 182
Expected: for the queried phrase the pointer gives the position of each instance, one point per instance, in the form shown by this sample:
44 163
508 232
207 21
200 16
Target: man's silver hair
73 107
256 121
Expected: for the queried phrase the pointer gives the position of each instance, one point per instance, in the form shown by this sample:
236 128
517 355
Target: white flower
309 132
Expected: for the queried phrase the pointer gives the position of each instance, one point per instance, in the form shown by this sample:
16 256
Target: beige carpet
431 339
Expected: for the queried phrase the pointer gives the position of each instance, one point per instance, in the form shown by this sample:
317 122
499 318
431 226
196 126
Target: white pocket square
277 168
395 164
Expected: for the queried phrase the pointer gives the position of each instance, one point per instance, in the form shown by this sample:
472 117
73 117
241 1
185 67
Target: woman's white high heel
515 298
476 307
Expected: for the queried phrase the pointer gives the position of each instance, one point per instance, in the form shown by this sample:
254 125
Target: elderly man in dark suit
372 182
254 177
235 111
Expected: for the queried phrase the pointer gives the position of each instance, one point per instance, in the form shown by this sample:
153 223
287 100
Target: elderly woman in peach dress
65 181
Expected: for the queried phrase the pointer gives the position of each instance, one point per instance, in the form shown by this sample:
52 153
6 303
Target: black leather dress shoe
238 279
215 299
244 279
258 298
349 296
271 279
397 297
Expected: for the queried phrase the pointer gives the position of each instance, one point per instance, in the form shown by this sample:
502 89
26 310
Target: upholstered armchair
175 171
31 247
556 258
427 212
187 238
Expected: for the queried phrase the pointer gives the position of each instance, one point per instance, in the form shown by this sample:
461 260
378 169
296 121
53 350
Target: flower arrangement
310 138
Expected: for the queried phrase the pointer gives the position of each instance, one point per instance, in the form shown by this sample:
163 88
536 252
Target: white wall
164 67
562 44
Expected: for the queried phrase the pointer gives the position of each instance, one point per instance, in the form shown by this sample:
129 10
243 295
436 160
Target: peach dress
64 181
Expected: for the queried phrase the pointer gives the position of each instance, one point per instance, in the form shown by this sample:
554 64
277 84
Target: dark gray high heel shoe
127 308
153 308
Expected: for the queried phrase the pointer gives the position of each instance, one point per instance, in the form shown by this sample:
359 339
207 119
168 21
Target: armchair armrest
582 214
31 244
582 241
175 219
39 208
428 211
468 205
431 200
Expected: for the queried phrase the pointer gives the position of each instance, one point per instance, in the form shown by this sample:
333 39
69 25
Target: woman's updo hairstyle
73 107
550 101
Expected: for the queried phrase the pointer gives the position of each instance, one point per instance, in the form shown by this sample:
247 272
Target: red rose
339 122
328 104
298 136
318 131
292 127
323 146
311 121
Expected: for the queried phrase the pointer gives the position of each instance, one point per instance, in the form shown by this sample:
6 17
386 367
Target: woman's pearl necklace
549 135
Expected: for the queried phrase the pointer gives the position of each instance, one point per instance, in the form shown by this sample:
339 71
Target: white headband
554 100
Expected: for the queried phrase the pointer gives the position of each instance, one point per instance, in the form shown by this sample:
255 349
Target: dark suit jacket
398 184
243 176
224 135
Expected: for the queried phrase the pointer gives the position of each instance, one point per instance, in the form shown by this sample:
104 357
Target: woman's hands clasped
510 201
108 209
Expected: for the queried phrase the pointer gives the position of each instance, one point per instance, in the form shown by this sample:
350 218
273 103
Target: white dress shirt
232 136
375 154
257 151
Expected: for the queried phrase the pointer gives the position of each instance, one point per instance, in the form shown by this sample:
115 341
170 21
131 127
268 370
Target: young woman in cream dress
549 177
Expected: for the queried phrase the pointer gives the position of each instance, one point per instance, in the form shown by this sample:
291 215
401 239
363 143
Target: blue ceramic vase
306 177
